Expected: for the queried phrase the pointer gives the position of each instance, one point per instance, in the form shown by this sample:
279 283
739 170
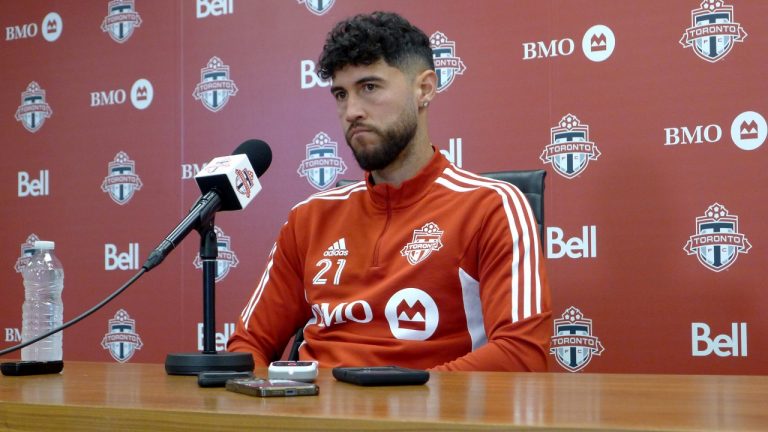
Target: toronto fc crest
717 242
318 7
713 32
447 64
323 164
121 181
121 339
226 258
215 86
425 241
570 149
573 343
27 250
33 109
121 20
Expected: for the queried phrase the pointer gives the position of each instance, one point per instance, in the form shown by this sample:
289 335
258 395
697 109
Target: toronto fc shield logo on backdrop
717 242
425 241
713 32
570 149
121 339
573 344
27 249
318 7
121 20
33 109
215 86
323 165
447 64
121 181
226 258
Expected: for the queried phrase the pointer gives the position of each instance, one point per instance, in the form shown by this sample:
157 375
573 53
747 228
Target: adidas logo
338 248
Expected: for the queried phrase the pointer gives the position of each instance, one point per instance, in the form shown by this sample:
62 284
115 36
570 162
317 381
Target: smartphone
381 375
31 367
267 388
219 378
304 371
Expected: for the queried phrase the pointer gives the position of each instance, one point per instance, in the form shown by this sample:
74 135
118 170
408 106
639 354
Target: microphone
226 183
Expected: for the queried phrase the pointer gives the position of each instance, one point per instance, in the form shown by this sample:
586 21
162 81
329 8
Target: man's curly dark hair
367 38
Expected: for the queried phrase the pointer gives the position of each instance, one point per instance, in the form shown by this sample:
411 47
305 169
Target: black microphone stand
209 359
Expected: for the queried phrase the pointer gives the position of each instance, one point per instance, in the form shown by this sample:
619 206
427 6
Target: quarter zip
388 201
386 198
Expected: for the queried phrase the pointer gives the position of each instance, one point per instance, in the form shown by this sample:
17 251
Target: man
422 265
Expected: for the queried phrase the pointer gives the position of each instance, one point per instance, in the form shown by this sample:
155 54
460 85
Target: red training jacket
445 272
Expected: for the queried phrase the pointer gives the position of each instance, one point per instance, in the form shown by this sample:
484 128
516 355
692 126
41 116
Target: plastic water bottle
43 309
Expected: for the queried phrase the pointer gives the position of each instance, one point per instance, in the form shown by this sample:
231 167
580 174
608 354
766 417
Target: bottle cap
44 245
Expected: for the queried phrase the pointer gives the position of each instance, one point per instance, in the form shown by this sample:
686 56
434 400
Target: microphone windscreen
259 154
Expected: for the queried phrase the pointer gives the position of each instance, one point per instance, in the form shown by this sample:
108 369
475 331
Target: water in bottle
43 309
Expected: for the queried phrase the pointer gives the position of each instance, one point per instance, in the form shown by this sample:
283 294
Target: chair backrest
530 183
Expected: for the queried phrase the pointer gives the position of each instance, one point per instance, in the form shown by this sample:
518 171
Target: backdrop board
648 116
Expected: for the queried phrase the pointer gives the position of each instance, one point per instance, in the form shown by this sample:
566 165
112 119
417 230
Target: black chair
530 183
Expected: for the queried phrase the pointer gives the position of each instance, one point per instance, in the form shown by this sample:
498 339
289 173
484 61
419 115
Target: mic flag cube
233 179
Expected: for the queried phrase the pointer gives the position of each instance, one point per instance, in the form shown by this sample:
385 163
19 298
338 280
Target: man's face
378 112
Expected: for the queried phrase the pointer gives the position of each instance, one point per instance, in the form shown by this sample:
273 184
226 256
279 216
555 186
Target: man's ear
426 87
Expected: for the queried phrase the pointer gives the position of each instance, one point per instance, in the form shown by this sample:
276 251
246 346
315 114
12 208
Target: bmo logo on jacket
411 313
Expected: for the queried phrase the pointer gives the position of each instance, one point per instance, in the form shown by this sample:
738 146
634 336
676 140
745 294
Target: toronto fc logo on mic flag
573 343
121 181
244 180
713 32
226 258
121 20
570 149
323 165
33 109
447 64
717 242
215 86
121 339
318 7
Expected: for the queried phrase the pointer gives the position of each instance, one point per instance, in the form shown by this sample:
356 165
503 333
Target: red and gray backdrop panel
649 118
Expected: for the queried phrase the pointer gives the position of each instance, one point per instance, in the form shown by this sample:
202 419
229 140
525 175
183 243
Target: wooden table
114 397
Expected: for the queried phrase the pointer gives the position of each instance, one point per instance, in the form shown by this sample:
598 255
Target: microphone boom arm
201 213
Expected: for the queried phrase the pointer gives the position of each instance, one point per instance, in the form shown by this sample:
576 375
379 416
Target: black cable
80 317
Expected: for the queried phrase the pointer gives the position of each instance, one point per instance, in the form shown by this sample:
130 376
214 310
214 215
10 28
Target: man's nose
353 109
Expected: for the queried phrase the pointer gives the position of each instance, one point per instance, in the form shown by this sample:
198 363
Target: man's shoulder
471 185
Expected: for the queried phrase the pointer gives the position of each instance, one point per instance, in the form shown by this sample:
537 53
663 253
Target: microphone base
194 363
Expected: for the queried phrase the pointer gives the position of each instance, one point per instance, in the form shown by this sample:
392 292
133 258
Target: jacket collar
411 190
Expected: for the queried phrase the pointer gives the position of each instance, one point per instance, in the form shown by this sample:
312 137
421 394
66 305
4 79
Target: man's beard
392 142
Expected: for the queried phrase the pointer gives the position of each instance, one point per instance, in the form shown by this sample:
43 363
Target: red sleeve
514 291
277 307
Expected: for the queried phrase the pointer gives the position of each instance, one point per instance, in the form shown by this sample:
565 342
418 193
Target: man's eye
369 87
339 96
